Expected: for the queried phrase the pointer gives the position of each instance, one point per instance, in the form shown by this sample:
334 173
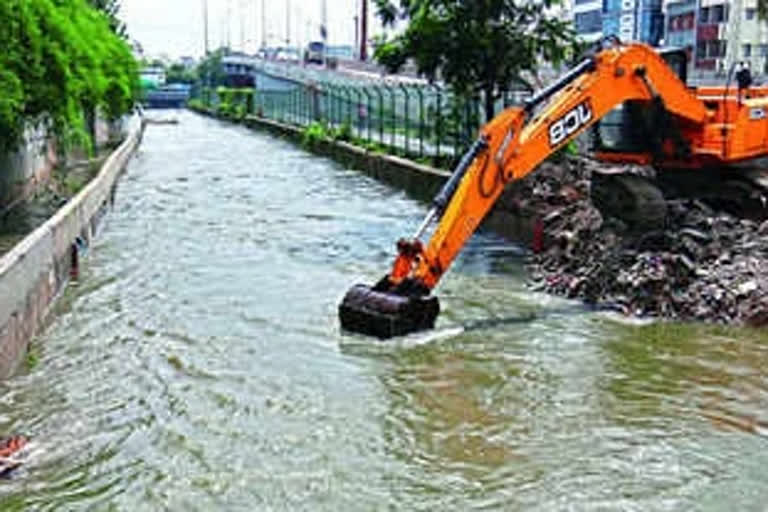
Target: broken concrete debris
703 264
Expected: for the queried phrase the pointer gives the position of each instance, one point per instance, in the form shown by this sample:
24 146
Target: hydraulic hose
445 195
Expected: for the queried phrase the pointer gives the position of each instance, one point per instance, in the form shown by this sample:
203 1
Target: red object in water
538 236
12 445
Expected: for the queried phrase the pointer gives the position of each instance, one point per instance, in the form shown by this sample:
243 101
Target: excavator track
634 199
741 192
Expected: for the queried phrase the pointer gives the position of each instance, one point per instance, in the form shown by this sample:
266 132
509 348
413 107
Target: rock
747 288
704 265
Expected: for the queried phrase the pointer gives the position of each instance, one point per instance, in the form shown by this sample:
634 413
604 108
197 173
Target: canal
198 364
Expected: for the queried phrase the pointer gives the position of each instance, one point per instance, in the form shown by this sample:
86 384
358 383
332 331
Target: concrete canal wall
22 171
25 170
33 273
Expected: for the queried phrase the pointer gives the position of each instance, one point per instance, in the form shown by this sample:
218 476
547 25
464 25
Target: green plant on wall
313 134
61 62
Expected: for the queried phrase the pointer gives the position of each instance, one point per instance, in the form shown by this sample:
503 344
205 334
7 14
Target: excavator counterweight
678 128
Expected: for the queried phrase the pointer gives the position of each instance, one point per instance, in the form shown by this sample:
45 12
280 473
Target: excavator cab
626 128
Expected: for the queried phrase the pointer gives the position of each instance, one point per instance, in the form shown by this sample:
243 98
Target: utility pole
205 26
356 18
241 13
229 24
324 31
264 24
287 22
324 21
364 32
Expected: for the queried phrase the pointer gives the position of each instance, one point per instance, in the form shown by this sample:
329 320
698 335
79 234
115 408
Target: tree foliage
178 74
60 62
209 71
476 45
111 8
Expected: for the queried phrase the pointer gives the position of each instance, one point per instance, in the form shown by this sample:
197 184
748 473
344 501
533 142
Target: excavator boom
510 147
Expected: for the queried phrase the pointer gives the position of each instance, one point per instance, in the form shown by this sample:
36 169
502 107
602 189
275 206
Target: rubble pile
703 265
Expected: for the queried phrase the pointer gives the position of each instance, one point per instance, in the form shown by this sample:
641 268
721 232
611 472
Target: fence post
421 121
407 118
335 105
347 103
292 106
302 103
393 117
439 119
380 116
368 105
314 103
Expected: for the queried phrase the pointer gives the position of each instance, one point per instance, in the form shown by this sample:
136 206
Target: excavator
640 110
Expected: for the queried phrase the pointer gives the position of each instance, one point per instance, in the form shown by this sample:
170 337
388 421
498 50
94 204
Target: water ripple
198 365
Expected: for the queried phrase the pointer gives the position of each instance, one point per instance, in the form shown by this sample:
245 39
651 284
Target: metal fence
413 120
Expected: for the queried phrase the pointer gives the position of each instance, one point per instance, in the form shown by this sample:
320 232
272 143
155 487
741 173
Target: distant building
681 24
188 62
153 76
588 19
239 70
718 33
630 20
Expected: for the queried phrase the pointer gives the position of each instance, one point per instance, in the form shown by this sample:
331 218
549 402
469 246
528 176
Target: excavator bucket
384 314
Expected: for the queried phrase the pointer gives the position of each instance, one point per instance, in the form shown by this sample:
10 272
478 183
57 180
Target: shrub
61 62
313 134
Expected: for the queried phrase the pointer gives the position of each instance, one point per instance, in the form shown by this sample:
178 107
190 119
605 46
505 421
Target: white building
718 33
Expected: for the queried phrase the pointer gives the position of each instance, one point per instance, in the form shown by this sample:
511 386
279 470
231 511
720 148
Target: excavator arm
509 148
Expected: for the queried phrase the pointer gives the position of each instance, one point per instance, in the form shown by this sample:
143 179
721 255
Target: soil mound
703 264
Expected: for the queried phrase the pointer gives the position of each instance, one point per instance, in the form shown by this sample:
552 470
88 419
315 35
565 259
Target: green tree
60 63
111 8
762 9
476 46
178 74
210 72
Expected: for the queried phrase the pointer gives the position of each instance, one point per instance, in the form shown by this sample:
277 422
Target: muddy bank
702 265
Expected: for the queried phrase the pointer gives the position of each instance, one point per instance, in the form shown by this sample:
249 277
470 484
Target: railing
422 122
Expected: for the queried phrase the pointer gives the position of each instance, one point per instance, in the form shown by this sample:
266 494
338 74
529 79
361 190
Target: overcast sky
175 27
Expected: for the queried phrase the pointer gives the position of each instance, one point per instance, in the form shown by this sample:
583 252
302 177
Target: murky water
198 365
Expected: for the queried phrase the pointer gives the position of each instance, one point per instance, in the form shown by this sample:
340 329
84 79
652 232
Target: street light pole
264 24
356 18
364 31
288 23
241 13
205 25
324 18
229 25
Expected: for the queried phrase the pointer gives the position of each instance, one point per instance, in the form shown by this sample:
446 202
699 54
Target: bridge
168 96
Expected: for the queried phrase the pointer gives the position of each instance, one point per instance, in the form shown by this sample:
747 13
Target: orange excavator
641 111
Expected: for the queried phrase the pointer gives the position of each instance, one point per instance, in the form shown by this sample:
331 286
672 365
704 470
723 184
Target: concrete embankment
29 168
509 218
33 273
